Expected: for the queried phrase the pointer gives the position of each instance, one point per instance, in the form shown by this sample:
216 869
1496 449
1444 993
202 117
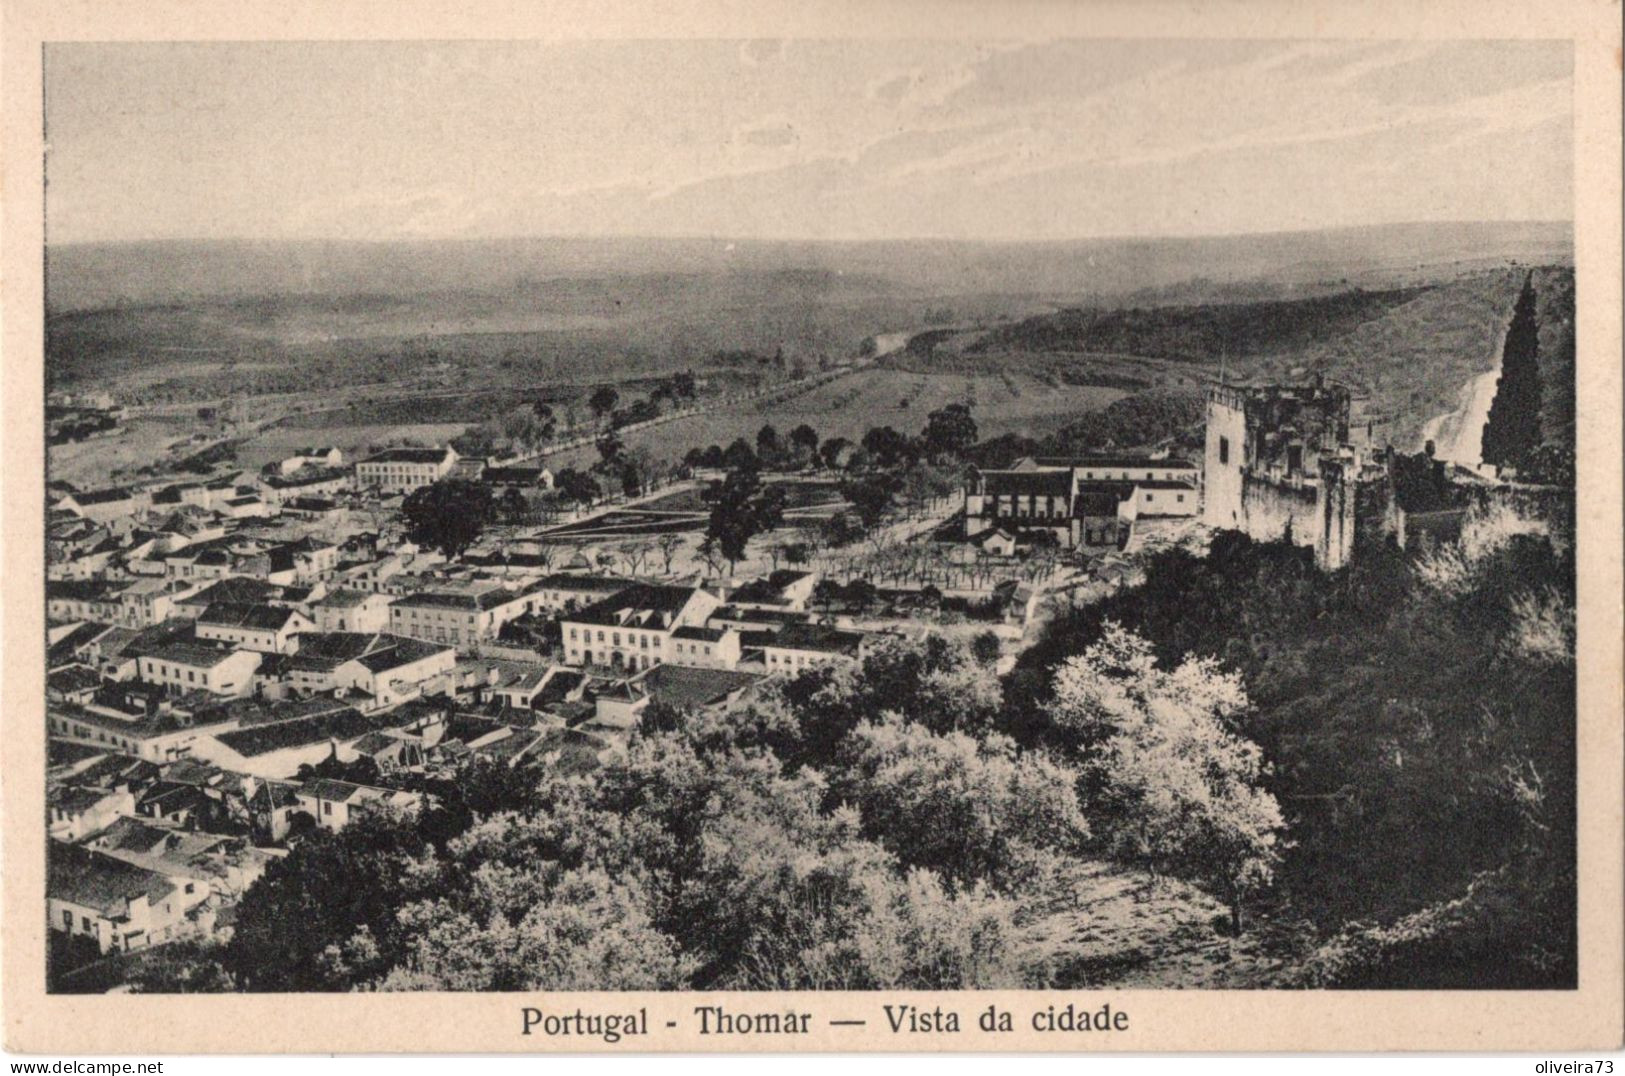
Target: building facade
402 470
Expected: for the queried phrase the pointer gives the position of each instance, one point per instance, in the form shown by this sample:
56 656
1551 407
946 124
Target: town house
633 629
269 629
402 470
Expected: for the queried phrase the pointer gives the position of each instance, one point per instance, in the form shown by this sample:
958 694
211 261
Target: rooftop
240 589
344 598
1027 483
101 496
342 725
245 615
678 685
818 637
635 601
464 600
709 635
85 590
97 880
1119 462
607 584
409 455
195 655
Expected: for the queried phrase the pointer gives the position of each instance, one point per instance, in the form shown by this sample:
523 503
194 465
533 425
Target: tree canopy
449 515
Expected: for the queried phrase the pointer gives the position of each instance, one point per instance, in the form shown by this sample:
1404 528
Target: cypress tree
1513 428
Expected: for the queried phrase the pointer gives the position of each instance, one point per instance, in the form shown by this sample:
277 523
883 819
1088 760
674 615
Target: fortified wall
1278 463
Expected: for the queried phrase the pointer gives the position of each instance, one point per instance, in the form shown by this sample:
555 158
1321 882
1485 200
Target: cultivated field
849 406
277 442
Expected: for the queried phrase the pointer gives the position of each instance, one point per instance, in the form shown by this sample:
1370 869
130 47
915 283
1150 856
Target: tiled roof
244 615
329 649
235 589
639 598
409 455
342 725
101 496
679 685
90 590
192 654
709 635
818 637
469 602
1027 483
344 598
1117 462
73 678
403 652
1095 503
326 788
569 581
100 881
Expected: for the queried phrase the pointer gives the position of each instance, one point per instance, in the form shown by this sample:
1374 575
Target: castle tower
1224 457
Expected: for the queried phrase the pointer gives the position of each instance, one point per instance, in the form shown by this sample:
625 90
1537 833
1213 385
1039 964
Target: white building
633 629
333 804
270 629
463 618
402 470
352 610
800 646
119 905
194 667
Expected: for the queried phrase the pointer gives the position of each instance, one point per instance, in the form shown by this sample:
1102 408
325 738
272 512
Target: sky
800 139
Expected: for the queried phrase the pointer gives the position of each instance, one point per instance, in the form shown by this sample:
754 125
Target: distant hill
89 276
1202 333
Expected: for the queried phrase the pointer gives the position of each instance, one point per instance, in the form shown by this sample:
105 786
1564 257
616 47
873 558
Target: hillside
92 276
176 322
1406 352
1245 332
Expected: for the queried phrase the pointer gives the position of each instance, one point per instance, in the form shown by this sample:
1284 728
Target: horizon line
817 240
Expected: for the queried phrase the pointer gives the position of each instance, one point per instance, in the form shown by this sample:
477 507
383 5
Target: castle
1280 462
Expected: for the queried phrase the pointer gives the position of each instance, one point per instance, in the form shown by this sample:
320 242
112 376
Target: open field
684 511
796 495
190 321
89 464
849 406
276 442
1406 353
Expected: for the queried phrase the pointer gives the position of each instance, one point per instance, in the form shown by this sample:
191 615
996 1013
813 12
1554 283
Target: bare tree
668 544
711 553
635 555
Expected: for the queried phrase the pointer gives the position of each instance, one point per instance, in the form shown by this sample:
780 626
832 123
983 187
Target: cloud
774 133
1452 71
892 88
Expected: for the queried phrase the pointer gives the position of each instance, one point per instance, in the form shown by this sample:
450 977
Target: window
327 808
67 920
1224 450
